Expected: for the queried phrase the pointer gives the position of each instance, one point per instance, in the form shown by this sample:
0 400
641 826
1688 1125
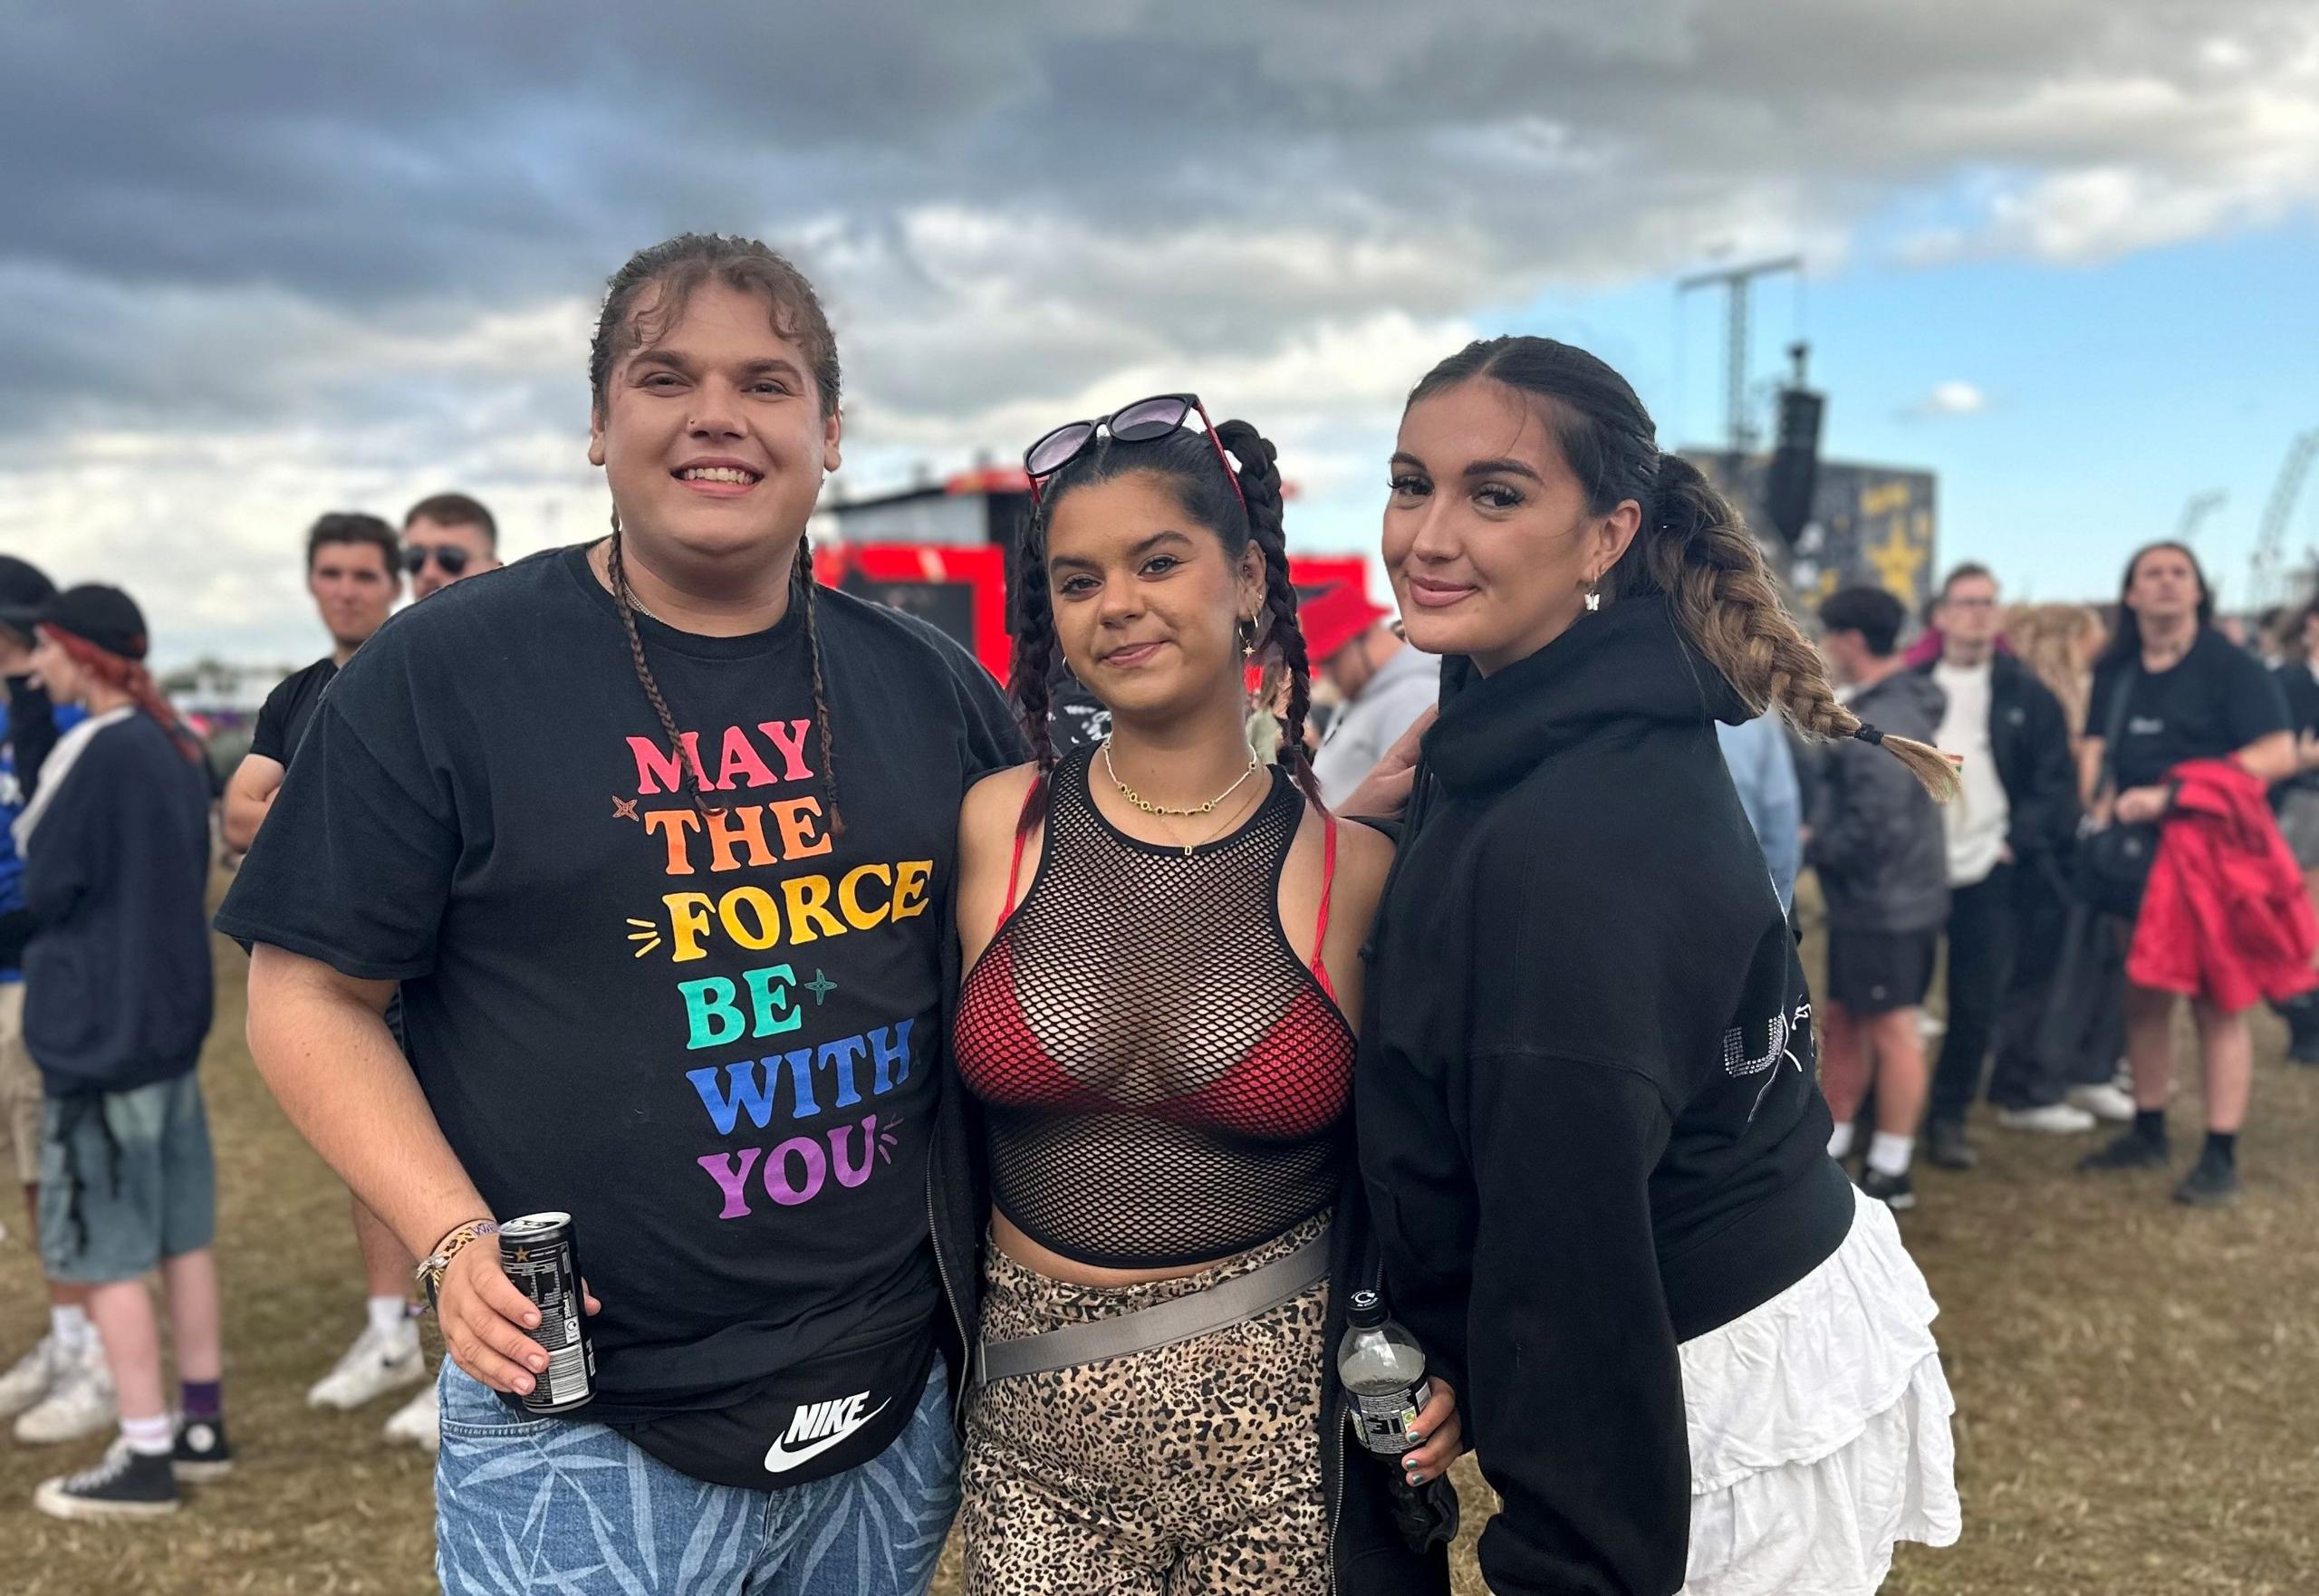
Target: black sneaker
1950 1149
2133 1151
2212 1184
124 1484
1896 1192
202 1453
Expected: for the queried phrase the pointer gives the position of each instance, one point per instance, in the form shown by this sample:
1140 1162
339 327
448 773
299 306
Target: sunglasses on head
1140 422
452 558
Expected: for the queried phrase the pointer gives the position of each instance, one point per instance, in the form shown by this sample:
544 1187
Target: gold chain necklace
1161 811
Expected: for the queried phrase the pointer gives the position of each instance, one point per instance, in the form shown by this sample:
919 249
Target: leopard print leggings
1188 1470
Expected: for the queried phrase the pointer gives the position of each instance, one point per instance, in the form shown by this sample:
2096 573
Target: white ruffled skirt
1819 1428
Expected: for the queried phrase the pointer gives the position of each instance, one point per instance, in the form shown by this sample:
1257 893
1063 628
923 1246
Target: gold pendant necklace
1161 812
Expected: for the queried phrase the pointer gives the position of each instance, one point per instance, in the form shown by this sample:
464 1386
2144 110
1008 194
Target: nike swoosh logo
779 1459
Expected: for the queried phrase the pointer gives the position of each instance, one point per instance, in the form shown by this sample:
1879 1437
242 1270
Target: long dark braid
1279 637
1029 679
806 588
623 601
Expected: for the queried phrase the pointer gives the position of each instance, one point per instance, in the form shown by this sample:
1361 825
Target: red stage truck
946 555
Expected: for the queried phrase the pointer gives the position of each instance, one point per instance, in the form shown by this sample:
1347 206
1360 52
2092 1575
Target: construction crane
2270 539
1735 280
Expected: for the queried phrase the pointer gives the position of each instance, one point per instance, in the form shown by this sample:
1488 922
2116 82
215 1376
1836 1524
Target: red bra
1165 1082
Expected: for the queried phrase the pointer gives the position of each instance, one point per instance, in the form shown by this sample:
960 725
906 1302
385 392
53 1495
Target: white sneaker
80 1403
418 1422
2104 1101
373 1366
26 1384
2058 1119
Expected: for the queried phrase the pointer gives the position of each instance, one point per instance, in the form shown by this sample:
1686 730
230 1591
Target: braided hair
1186 461
674 271
1693 547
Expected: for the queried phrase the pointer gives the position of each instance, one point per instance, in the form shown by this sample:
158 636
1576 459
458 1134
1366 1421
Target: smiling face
710 430
353 588
1149 608
1488 538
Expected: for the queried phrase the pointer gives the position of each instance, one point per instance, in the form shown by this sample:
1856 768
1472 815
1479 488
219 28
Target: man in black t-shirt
354 571
658 841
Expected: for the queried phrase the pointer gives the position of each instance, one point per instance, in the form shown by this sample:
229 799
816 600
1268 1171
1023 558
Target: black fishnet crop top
1165 1081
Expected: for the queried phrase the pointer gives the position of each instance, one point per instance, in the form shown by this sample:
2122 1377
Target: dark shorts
1877 972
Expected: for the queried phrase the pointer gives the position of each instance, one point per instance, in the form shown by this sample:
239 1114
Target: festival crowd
985 1111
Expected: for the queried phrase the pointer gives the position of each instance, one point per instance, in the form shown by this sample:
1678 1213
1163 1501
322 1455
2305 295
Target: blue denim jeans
546 1504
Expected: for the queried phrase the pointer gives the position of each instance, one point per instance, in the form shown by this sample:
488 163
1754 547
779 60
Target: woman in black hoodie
1691 1356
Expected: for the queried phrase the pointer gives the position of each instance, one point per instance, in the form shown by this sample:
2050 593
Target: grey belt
1230 1302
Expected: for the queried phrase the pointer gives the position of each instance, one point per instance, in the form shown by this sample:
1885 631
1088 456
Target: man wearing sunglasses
445 538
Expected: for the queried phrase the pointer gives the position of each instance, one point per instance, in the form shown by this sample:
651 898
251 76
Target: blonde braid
1707 561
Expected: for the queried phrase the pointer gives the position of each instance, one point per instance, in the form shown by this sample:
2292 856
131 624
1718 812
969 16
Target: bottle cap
1365 1310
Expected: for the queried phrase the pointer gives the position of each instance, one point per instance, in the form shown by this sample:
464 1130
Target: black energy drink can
542 1257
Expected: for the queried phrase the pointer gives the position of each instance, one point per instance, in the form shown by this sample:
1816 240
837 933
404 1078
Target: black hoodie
1586 1101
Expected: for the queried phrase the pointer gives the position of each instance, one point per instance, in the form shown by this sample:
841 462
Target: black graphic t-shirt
289 709
714 1039
2215 701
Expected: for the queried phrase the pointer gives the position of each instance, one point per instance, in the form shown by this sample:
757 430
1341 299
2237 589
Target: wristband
431 1268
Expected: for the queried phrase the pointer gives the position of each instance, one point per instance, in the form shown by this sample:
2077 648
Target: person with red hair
118 998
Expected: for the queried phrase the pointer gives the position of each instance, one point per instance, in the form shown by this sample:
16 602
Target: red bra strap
1015 866
1328 879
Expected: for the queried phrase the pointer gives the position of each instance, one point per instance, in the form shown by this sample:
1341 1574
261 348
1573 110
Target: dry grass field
2139 1385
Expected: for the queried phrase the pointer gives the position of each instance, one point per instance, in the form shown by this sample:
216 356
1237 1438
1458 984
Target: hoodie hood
1628 662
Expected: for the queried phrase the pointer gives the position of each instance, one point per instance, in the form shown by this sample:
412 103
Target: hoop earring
1248 632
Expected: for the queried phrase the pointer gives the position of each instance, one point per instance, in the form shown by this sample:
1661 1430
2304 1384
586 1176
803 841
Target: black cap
104 616
1365 1310
25 589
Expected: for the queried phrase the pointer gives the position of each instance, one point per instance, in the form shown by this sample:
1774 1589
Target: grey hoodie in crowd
1876 835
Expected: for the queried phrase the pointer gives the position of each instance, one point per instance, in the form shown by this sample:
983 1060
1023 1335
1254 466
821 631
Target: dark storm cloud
210 205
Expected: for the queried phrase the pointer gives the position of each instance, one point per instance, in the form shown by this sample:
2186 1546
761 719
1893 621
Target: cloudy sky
261 261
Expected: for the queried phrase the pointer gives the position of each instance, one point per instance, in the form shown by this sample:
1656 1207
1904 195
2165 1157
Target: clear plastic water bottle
1383 1369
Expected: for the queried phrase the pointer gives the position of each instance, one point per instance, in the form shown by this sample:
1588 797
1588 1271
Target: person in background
2178 691
60 1390
1383 683
2017 810
2059 643
1882 858
445 538
2297 802
1763 767
118 999
353 570
354 575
